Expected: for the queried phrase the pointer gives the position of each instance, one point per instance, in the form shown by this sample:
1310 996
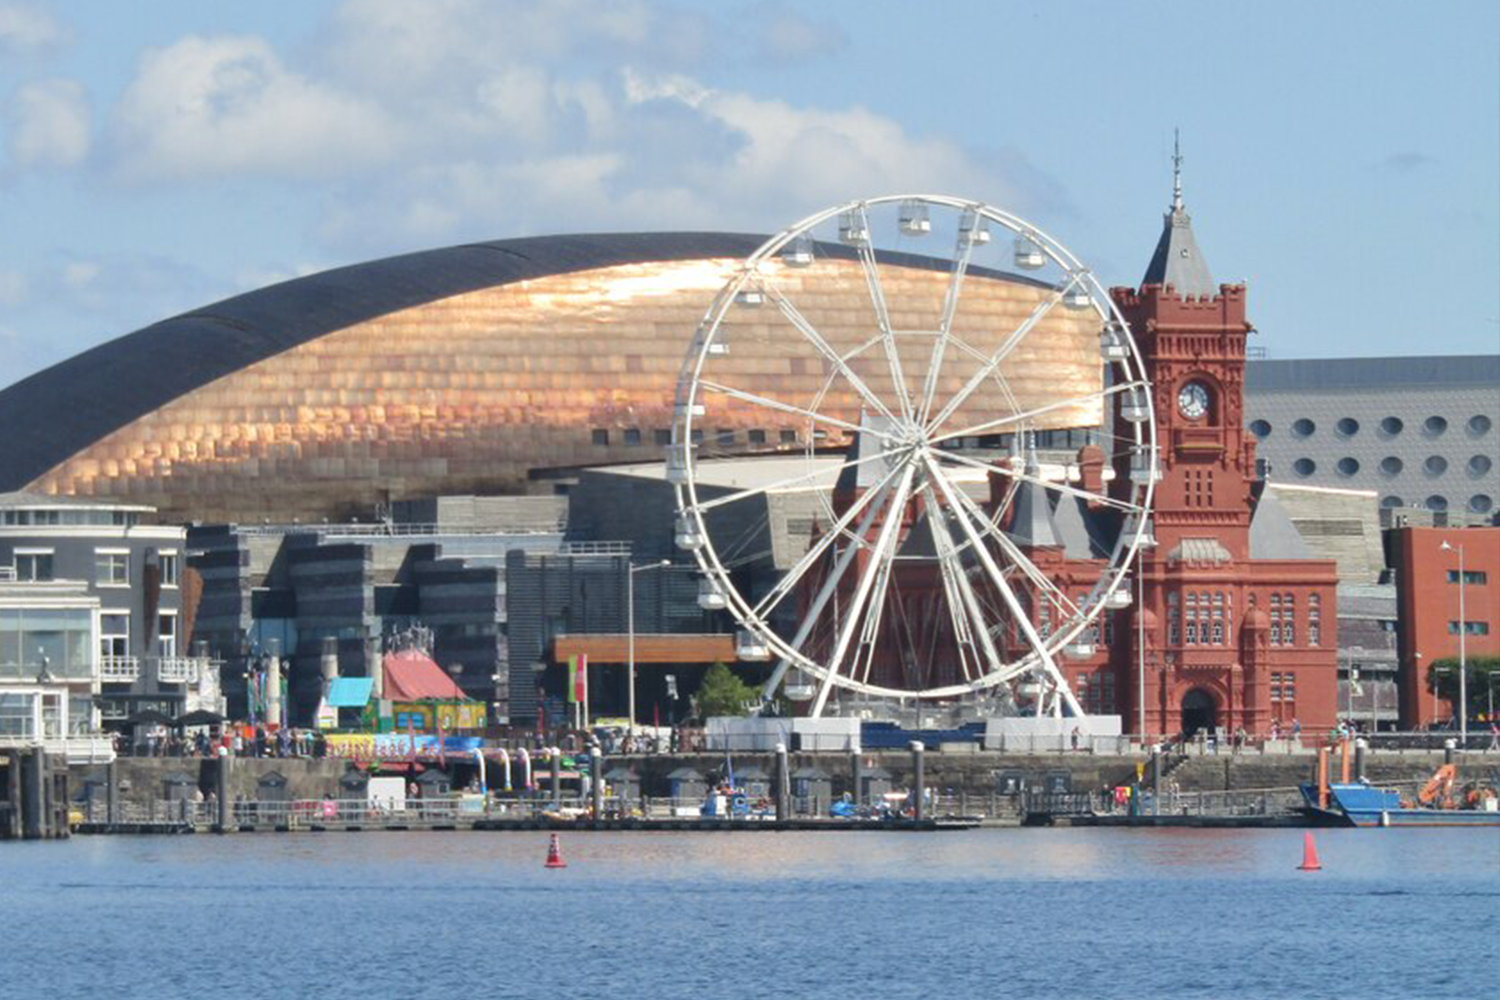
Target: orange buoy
554 854
1309 854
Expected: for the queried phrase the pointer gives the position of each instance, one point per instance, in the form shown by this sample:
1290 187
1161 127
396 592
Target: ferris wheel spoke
807 479
810 558
1016 418
882 314
1029 569
812 415
1007 593
886 541
945 326
870 633
1009 344
874 498
821 345
1047 484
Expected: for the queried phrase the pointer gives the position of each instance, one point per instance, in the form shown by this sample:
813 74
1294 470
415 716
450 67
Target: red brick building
1428 583
1234 622
1237 623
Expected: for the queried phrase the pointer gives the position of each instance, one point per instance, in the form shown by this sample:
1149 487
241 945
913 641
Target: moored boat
1363 804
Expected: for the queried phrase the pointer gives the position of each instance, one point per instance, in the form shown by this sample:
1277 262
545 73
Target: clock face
1192 400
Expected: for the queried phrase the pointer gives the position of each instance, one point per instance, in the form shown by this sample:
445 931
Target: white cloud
79 274
786 36
206 107
24 27
50 124
12 287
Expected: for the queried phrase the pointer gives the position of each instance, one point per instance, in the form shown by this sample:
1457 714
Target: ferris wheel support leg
1047 663
768 691
884 549
958 581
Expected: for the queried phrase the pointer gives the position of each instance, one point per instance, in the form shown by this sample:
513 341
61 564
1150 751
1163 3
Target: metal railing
75 749
119 669
180 669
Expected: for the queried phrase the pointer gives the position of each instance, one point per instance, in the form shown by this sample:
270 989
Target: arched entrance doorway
1198 711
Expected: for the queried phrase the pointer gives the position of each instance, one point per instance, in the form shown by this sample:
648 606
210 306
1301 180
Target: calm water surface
1002 913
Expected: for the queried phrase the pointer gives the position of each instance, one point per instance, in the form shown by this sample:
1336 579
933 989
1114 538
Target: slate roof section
1272 534
1403 373
1178 261
73 404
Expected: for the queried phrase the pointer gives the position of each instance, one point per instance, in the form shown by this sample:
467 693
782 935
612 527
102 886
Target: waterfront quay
1188 786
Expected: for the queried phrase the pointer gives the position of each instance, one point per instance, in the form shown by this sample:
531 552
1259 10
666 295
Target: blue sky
1342 158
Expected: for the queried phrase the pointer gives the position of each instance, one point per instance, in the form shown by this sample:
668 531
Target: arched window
1314 621
1218 619
1275 619
1174 619
1288 620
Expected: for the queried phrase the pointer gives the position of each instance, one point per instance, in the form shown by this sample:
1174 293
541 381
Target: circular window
1437 502
1435 465
1391 426
1480 503
1260 428
1479 424
1434 426
1304 467
1348 466
1391 465
1392 501
1348 426
1479 465
1303 427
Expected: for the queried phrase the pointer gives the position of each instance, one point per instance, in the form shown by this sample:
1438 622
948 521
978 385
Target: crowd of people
230 740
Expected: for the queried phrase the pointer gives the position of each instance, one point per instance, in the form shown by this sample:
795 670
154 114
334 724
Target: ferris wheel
944 428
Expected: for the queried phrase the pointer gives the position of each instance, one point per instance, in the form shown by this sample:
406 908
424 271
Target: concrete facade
146 594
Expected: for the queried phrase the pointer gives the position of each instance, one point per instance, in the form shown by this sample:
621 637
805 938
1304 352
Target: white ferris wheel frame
897 485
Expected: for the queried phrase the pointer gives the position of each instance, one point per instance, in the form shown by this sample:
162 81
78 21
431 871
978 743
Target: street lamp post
630 573
1463 663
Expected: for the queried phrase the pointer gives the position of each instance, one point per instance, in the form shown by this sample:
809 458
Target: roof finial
1176 171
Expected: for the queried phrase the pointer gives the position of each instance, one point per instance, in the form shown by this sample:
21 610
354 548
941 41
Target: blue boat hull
1364 805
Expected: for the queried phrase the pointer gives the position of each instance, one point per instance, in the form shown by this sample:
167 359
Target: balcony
119 669
179 669
88 748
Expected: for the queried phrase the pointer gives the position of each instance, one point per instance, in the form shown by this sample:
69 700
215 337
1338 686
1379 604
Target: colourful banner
398 746
578 678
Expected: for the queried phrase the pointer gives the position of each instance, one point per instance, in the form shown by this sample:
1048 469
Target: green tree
722 693
1442 676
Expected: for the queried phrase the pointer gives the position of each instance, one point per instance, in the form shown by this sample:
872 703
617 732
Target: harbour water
983 913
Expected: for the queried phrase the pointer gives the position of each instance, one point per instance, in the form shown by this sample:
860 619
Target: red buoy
554 854
1309 854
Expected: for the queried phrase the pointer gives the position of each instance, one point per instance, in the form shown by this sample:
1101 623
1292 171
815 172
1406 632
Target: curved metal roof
69 406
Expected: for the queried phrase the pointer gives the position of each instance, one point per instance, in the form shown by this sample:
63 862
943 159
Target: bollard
12 772
34 794
1448 747
112 793
556 777
596 780
857 775
221 790
1360 748
918 781
1156 779
783 785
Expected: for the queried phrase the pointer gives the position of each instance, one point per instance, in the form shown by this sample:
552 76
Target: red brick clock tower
1237 624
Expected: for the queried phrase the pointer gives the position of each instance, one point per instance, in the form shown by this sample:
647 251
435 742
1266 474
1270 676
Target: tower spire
1176 170
1177 261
